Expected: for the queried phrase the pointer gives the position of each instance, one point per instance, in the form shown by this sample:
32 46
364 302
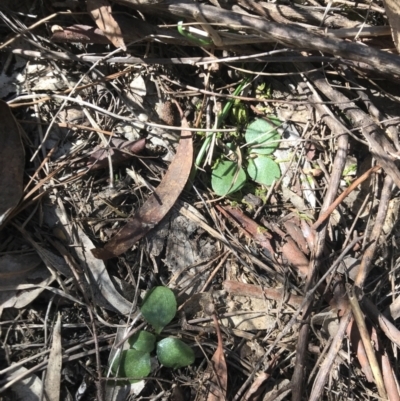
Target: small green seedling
262 139
158 309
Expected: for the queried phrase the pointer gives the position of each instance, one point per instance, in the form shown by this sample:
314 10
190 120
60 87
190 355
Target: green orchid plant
262 139
158 309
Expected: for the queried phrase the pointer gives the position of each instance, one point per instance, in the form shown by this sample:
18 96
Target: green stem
190 36
221 118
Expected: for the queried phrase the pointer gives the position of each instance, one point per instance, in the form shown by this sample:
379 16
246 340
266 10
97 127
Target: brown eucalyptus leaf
100 10
157 205
120 151
12 161
219 377
79 33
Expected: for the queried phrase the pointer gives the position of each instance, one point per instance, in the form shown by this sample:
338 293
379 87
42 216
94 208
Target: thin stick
75 271
369 251
366 339
326 366
293 319
343 195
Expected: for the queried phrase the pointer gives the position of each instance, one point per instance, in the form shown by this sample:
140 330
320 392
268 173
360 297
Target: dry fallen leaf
157 205
250 228
119 150
100 10
29 388
295 257
52 383
219 378
100 280
79 33
12 161
16 274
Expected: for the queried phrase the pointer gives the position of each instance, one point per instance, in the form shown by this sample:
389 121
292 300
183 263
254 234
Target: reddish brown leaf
12 162
295 257
81 34
252 229
158 204
100 11
358 347
291 252
387 370
120 151
256 390
219 378
293 228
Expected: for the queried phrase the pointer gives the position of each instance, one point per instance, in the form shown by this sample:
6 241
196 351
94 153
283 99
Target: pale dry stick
41 183
74 268
369 252
242 58
67 98
356 219
389 377
69 126
79 88
321 357
38 23
380 146
124 118
236 249
334 124
356 4
327 8
214 272
44 161
338 166
366 339
49 54
286 35
43 364
319 245
105 142
293 319
209 29
297 379
319 383
252 99
324 216
364 23
390 330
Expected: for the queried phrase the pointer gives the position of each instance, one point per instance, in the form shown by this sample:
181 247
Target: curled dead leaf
157 205
100 10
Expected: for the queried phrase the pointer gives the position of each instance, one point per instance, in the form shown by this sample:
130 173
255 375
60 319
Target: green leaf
133 364
143 341
225 179
259 136
174 353
239 114
159 307
263 170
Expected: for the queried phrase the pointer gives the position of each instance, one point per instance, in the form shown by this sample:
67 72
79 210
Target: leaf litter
115 166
